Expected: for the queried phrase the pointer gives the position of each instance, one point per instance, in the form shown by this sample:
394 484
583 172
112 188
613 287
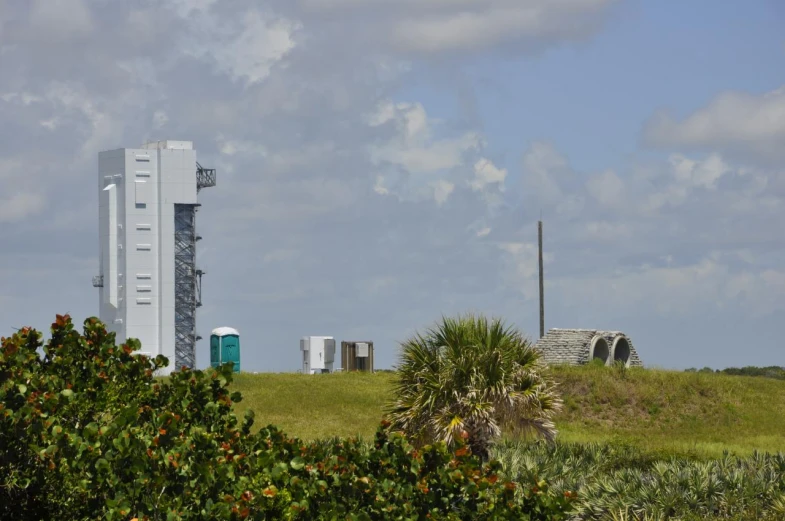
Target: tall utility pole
542 285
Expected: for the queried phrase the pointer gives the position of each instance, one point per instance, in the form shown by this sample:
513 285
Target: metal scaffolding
186 282
187 277
205 177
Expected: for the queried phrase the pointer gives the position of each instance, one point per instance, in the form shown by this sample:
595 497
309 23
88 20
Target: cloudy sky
384 162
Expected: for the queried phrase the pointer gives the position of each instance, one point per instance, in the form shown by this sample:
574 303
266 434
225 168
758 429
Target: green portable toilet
225 347
215 350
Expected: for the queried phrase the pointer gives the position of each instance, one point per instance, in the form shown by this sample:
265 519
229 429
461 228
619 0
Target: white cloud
413 145
521 260
486 173
437 26
705 286
642 245
607 188
410 145
608 231
185 7
731 122
704 173
25 98
671 184
50 123
687 175
546 173
19 206
549 183
10 169
525 256
306 156
61 20
246 50
160 119
101 122
296 201
379 187
432 157
231 147
442 190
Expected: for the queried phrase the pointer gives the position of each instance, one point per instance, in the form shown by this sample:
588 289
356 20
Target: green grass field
315 406
678 412
672 410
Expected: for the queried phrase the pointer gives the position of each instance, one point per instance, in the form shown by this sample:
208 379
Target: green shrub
772 371
88 432
474 377
766 372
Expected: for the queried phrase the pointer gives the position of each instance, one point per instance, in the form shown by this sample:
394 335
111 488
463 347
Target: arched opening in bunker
599 349
621 350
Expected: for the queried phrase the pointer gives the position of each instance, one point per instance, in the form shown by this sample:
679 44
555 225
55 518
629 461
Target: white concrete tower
148 282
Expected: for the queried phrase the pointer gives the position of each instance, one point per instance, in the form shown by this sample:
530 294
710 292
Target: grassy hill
684 412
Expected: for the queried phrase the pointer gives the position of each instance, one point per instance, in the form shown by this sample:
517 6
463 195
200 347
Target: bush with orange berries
87 431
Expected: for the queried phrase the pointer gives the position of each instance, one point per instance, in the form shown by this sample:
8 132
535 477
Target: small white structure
318 354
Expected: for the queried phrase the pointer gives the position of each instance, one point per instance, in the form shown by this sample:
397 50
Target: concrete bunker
581 346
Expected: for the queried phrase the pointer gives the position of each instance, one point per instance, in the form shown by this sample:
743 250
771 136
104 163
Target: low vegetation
772 371
315 406
687 414
623 482
87 432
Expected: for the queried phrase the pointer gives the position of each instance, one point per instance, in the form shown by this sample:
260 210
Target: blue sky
384 162
591 98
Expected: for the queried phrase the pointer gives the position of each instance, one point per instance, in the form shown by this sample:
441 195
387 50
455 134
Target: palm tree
471 377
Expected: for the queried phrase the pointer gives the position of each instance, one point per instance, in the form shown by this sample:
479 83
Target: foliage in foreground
474 376
625 483
87 432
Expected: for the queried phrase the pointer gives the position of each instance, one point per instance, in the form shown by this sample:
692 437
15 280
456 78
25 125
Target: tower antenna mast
542 284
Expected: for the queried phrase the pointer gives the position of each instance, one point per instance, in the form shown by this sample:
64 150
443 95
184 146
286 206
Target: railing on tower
205 177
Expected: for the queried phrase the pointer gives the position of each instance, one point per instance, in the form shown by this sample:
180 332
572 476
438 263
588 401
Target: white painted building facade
138 189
